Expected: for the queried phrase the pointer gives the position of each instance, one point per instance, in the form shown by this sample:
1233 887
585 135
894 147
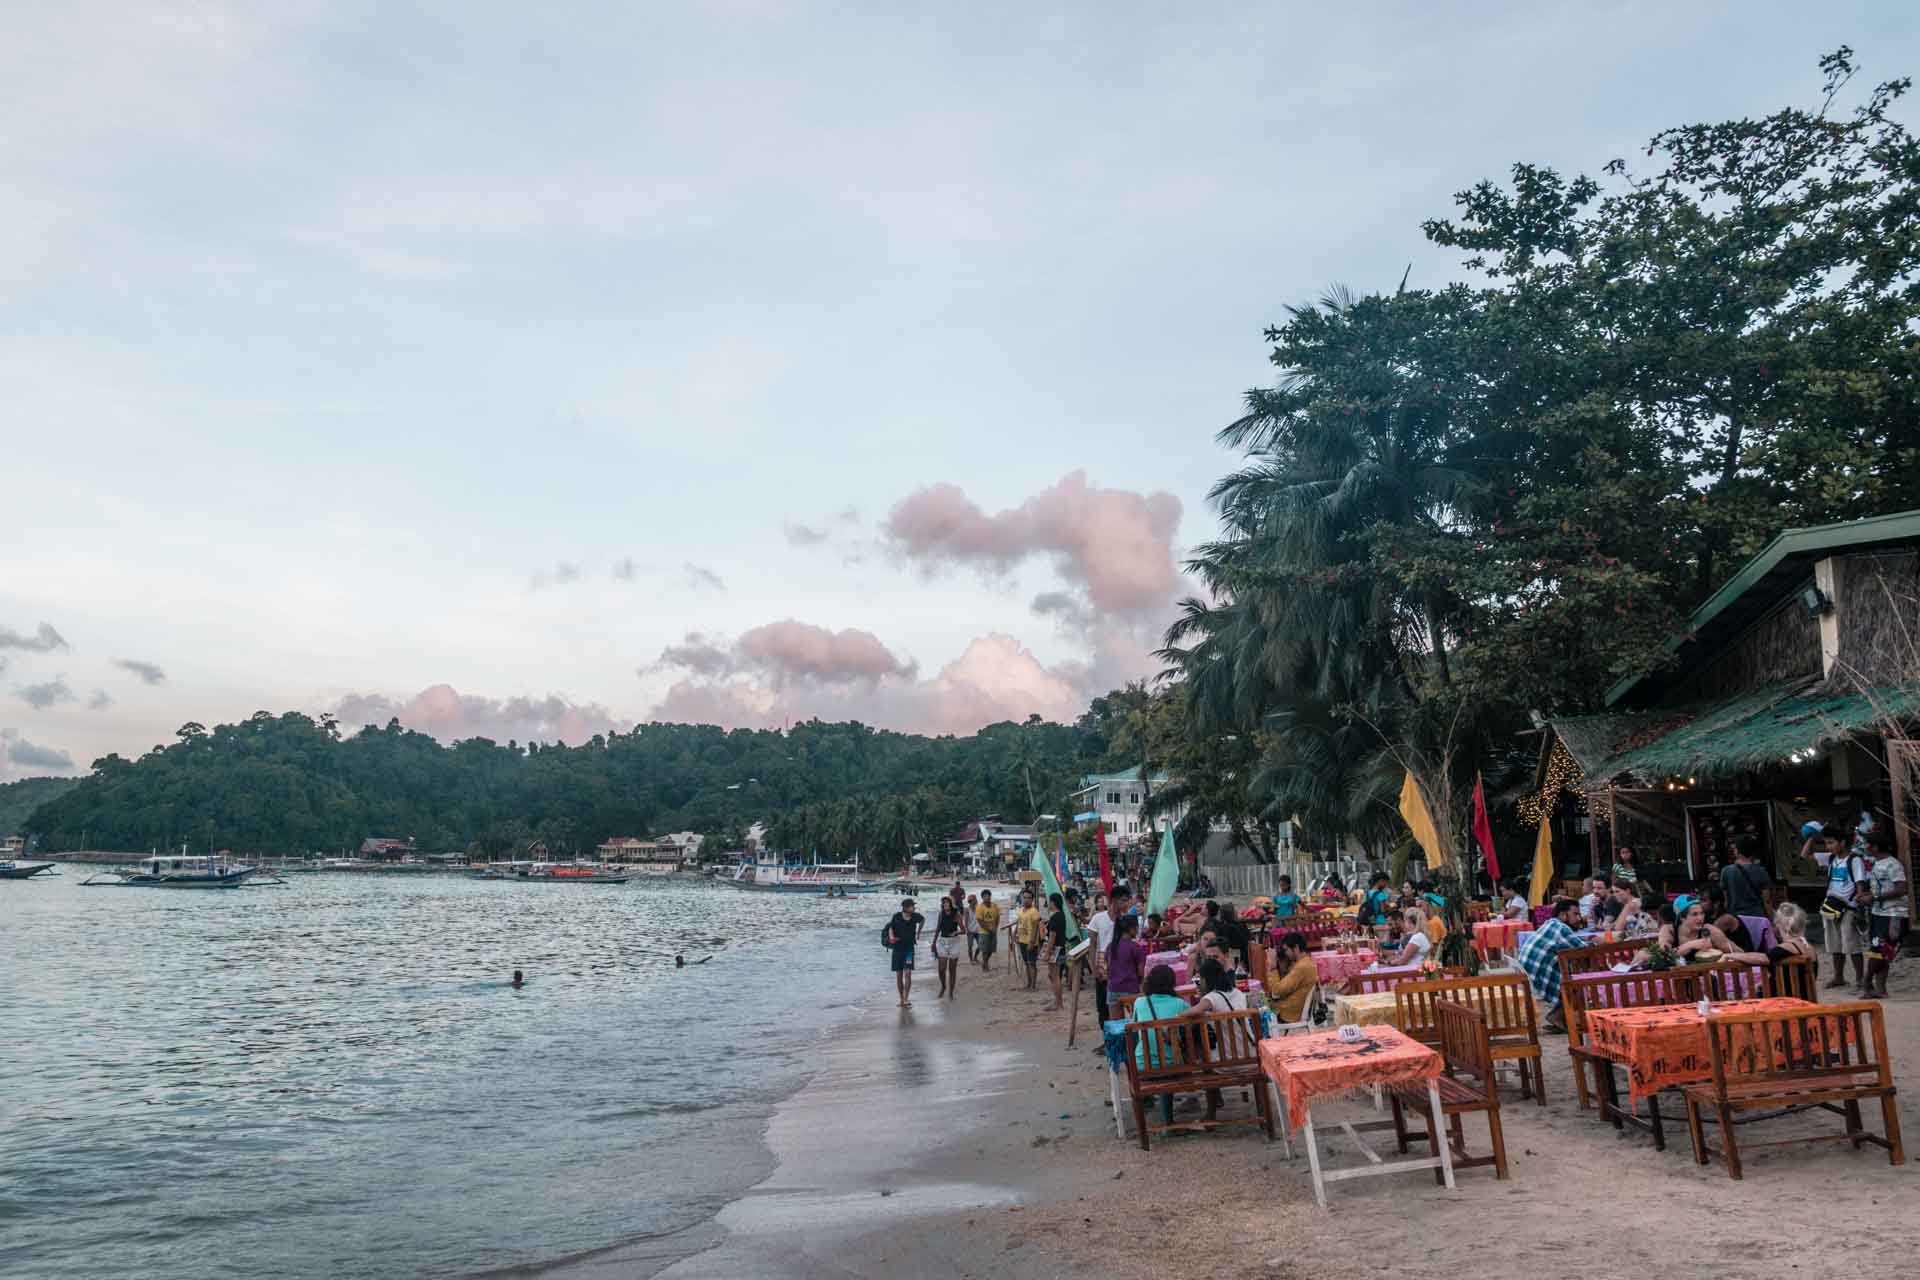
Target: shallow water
335 1078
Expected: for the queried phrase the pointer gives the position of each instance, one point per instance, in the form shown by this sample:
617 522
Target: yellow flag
1413 807
1542 863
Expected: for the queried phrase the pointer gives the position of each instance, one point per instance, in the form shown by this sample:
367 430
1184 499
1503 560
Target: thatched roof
1734 735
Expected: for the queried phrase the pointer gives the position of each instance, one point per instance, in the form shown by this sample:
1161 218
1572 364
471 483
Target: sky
539 370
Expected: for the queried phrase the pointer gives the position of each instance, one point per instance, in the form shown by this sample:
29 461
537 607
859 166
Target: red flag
1106 866
1483 830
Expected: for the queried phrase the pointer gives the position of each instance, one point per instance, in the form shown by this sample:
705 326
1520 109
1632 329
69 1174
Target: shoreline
964 1138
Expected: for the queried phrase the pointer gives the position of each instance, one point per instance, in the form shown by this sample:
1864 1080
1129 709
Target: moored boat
175 871
14 869
769 873
563 873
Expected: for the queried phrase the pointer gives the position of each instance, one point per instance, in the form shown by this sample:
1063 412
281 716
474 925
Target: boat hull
817 890
27 872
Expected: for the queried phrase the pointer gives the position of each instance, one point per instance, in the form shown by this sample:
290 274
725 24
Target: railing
1305 872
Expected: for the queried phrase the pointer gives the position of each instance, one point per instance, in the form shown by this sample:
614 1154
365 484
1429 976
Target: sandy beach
963 1138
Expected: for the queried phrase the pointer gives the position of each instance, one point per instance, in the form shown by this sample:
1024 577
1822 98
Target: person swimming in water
518 981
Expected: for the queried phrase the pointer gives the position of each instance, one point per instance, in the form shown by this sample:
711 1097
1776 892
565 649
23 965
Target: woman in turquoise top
1156 1002
1286 902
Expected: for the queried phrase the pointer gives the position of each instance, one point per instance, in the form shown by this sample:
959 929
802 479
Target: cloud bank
46 694
20 758
450 715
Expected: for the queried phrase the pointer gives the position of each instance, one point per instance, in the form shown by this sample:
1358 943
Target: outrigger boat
769 873
563 873
13 869
175 871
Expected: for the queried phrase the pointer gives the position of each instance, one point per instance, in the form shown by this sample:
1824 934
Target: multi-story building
1116 801
655 857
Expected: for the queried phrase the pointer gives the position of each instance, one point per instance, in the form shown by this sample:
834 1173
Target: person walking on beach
902 935
967 919
946 945
1026 936
986 930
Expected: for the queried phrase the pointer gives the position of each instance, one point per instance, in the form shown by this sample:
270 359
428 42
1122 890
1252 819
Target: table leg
1313 1159
1120 1107
1285 1121
1440 1139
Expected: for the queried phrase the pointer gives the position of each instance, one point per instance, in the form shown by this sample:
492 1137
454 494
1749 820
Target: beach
965 1139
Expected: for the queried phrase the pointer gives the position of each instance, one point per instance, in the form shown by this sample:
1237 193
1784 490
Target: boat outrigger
769 873
175 871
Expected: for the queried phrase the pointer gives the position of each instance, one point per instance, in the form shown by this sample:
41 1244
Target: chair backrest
1594 959
1732 980
1122 1005
1635 990
1465 1045
1479 912
1798 1044
1503 1000
1179 1046
1257 962
1794 977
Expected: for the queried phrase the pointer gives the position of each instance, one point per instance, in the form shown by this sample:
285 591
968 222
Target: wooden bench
1619 991
1833 1057
1504 1000
1602 955
1468 1084
1194 1054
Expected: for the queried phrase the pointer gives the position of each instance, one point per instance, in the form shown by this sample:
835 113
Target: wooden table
1369 1009
1661 1047
1302 1068
1498 935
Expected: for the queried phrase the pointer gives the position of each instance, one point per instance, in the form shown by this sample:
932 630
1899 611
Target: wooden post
1902 757
1073 1010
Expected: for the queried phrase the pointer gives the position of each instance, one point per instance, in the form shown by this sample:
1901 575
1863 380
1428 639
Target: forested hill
20 799
292 784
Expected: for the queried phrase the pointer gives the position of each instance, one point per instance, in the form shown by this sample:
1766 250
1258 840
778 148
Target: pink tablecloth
1174 960
1334 967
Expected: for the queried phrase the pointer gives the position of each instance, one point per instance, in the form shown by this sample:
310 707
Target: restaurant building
1793 696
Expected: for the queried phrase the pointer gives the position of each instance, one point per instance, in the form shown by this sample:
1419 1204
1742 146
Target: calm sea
334 1078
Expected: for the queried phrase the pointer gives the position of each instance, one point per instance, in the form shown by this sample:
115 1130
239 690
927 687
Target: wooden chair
1369 983
1192 1055
1617 991
1121 1006
1600 956
1469 1084
1479 912
1795 977
1833 1057
1503 1000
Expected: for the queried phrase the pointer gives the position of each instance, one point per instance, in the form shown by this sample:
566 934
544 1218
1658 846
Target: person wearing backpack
1745 882
1839 912
900 936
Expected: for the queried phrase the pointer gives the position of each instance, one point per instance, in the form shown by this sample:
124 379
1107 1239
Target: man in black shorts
902 935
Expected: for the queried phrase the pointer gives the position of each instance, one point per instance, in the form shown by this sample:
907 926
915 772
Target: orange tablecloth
1504 934
1666 1045
1318 1065
1335 967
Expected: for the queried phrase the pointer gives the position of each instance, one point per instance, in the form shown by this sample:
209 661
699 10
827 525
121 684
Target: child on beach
1026 936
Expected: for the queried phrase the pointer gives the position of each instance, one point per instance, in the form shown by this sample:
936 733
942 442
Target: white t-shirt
1414 949
1840 877
1225 1001
1589 908
1888 873
1102 927
1516 908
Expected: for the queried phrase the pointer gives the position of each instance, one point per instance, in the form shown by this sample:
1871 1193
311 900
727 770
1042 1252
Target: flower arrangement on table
1661 957
1431 969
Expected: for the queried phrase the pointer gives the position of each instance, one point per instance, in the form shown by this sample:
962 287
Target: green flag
1166 875
1050 885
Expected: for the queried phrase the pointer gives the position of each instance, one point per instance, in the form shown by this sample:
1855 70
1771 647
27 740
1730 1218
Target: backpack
1369 911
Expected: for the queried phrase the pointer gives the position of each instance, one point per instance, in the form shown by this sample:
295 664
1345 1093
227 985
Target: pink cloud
449 715
1115 544
995 678
793 650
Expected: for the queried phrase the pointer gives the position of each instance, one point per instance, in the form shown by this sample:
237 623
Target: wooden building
1794 695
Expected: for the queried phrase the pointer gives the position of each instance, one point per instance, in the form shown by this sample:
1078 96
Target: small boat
486 873
14 869
564 873
772 874
175 871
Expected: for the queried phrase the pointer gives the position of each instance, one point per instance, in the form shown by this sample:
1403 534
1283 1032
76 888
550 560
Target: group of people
963 921
1864 917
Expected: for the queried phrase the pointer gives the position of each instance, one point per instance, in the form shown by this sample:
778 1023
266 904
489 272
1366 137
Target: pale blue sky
331 330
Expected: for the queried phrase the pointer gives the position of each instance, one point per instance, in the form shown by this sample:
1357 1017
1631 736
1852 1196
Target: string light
1563 774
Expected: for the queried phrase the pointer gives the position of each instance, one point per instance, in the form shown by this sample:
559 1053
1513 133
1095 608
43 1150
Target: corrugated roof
1731 736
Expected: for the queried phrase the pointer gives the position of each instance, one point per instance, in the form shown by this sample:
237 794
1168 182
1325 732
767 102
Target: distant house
988 844
688 842
656 857
386 849
13 846
1115 800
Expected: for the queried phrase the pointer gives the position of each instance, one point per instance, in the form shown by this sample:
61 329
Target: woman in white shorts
949 944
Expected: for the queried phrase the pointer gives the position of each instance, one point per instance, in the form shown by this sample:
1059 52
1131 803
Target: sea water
335 1078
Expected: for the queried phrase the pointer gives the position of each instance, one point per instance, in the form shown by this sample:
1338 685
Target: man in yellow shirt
1026 935
1292 981
986 924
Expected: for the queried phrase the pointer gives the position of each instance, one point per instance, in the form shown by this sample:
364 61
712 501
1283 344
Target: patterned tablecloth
1374 1009
1504 934
1318 1065
1666 1045
1336 967
1174 960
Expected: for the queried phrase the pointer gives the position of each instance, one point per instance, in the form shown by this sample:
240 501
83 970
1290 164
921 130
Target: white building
1116 801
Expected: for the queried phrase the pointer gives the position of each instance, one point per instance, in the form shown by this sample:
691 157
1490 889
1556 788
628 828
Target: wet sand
965 1139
